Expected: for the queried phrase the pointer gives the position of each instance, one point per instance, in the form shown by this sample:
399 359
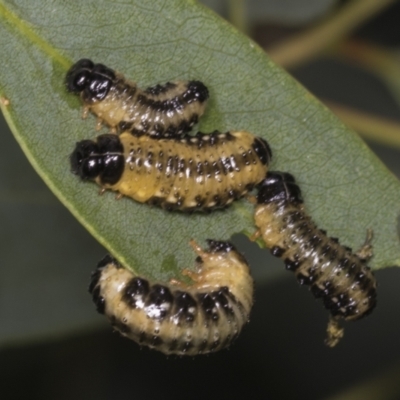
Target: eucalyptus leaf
346 188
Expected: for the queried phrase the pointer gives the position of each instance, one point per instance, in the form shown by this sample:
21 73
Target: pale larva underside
177 318
197 173
336 274
168 110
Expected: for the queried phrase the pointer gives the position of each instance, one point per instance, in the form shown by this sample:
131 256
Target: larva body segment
167 111
336 274
201 318
197 173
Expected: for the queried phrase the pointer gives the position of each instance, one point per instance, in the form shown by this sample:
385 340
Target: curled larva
184 319
168 110
197 173
336 274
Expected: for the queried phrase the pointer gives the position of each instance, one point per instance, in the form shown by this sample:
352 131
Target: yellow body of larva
194 173
181 319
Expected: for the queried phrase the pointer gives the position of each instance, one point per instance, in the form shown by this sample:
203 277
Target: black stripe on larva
98 300
204 317
263 150
158 89
136 292
208 306
220 298
94 289
339 277
159 302
185 307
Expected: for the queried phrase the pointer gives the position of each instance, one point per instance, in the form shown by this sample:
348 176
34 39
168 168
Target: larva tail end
108 260
334 332
199 91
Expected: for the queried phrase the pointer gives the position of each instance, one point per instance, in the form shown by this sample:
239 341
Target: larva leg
85 112
183 285
176 282
119 196
366 252
193 275
102 191
252 199
197 249
185 272
5 101
99 123
334 332
255 235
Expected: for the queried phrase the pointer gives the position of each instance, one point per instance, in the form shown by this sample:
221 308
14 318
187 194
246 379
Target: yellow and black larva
195 173
203 317
168 110
336 274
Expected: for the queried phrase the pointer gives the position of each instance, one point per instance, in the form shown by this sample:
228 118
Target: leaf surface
346 188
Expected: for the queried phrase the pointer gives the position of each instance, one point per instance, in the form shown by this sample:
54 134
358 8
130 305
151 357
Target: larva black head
262 149
78 75
279 187
92 80
102 158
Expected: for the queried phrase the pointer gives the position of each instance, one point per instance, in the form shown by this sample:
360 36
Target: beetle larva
336 274
197 173
198 318
168 110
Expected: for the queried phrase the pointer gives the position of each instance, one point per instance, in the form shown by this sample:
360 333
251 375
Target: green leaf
346 188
